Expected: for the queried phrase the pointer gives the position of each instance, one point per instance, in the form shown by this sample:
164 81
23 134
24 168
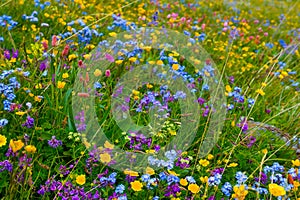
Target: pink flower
109 57
66 50
107 73
80 64
54 41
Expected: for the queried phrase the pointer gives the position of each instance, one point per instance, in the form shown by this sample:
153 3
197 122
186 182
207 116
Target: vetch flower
6 165
29 123
54 143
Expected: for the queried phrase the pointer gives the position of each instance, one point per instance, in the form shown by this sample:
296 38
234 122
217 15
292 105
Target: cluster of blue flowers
32 18
6 21
37 3
7 91
84 34
169 164
282 66
237 97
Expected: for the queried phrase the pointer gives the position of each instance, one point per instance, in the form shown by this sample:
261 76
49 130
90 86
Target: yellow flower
131 173
296 163
260 91
132 59
264 84
173 173
149 86
2 140
87 56
296 185
232 165
112 34
160 62
136 186
183 182
194 188
150 171
276 190
204 179
108 145
20 113
210 156
16 145
228 88
118 62
175 67
38 99
65 75
72 57
204 162
97 72
61 84
80 179
105 158
264 151
30 149
172 132
239 192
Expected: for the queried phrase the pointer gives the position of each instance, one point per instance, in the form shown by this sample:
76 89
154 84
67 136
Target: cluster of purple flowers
82 125
137 141
6 165
29 123
71 191
54 143
67 190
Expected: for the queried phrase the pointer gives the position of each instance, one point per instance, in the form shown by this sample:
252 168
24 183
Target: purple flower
263 178
243 124
15 53
7 54
29 123
6 165
211 198
54 143
172 190
252 140
231 79
43 66
201 101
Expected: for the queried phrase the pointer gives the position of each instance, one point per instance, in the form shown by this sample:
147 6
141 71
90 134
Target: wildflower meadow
156 99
